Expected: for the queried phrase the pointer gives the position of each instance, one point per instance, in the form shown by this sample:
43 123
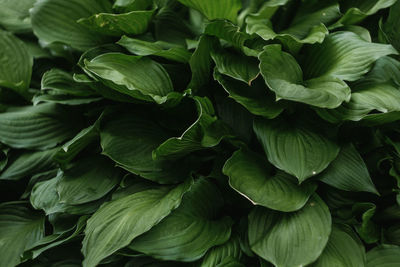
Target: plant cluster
200 133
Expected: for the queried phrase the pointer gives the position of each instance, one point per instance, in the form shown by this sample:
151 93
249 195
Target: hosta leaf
290 239
138 77
118 222
14 15
28 163
159 48
130 140
132 4
252 176
19 229
367 229
223 9
55 21
254 98
384 256
37 127
135 22
392 26
15 63
343 55
189 231
206 132
348 172
218 255
344 249
296 150
284 76
227 31
87 180
237 66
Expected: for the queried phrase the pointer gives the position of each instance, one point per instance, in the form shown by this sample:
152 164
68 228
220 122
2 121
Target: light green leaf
118 222
189 231
255 98
253 177
236 66
344 249
206 132
19 229
15 63
161 49
134 22
28 163
55 21
384 256
222 9
87 180
218 255
138 77
348 172
14 15
37 127
290 239
129 141
284 76
297 150
343 55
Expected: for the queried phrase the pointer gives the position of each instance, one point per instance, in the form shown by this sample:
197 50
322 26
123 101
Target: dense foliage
200 133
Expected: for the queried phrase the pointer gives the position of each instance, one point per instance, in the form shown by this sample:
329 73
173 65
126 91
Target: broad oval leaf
284 76
56 21
115 224
343 55
14 15
251 175
20 228
189 231
37 127
222 9
218 255
290 239
15 63
348 172
384 256
87 180
296 150
344 249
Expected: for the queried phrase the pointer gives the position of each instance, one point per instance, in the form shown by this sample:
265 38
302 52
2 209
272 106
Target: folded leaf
296 150
218 255
392 26
118 222
290 239
252 176
222 9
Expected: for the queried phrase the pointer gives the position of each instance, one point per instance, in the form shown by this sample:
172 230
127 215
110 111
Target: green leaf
343 55
255 98
295 149
129 141
134 22
392 26
87 180
206 132
227 31
16 64
367 229
132 4
14 15
222 9
37 127
284 76
384 256
138 77
348 172
236 66
19 229
290 239
55 21
218 255
252 176
118 222
28 163
343 249
189 231
161 49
